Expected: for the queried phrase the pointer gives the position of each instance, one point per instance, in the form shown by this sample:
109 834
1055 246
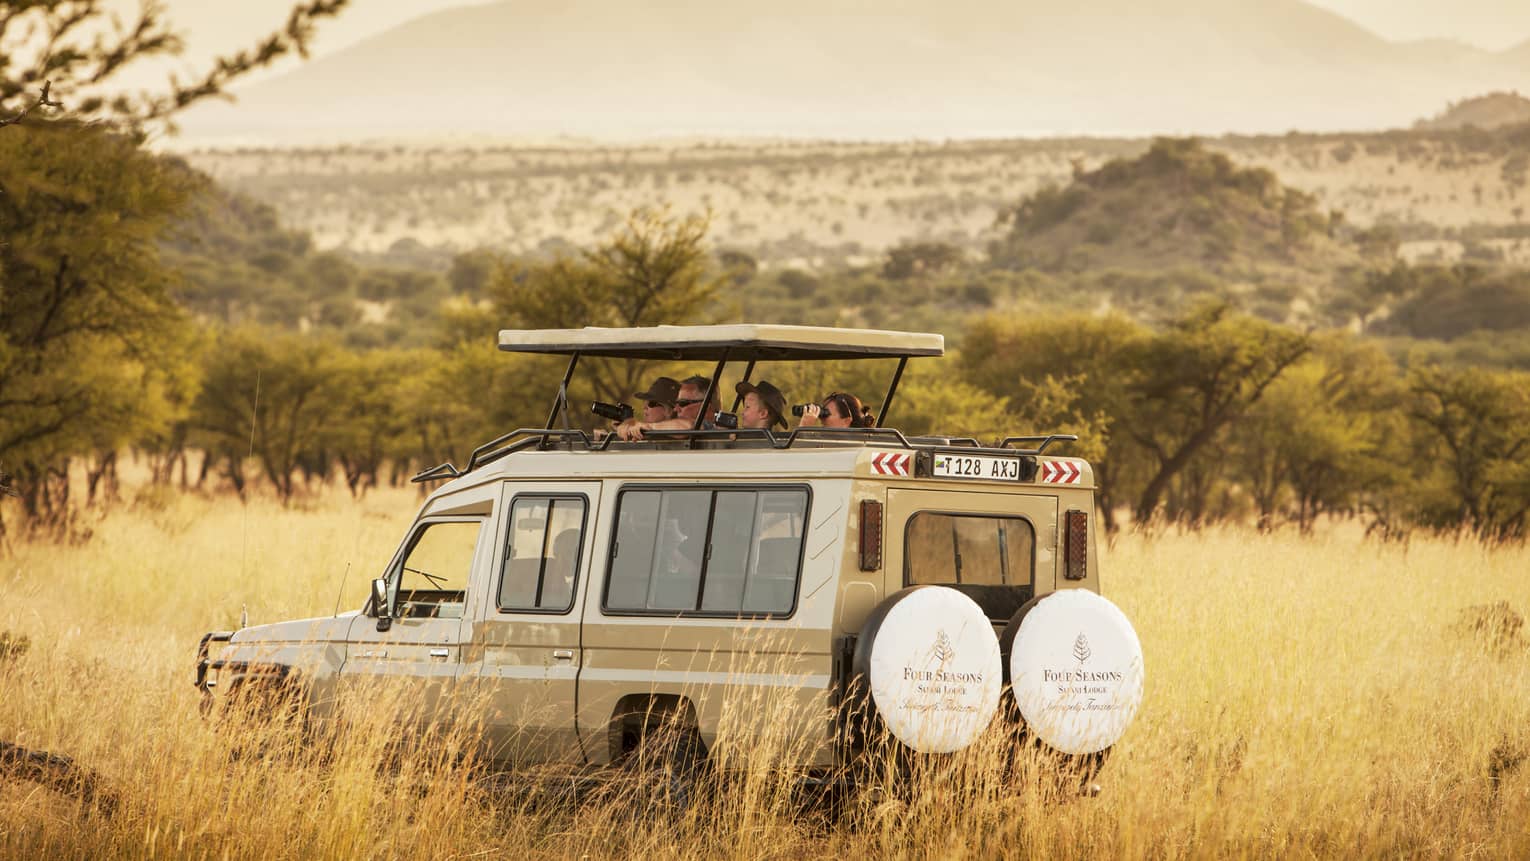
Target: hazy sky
214 26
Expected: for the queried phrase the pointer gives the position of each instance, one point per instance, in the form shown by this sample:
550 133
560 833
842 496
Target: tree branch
42 102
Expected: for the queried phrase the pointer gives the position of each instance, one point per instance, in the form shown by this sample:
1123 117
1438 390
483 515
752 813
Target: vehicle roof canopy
746 342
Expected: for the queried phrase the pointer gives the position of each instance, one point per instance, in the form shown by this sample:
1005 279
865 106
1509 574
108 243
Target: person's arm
810 416
632 429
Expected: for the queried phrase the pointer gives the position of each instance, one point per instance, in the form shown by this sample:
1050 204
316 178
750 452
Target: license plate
976 466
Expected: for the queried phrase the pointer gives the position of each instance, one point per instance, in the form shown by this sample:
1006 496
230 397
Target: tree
273 395
62 54
920 258
1062 374
1195 378
1473 450
370 415
88 332
1324 436
654 271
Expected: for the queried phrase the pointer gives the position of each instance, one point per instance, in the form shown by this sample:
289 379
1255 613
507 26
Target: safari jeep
577 587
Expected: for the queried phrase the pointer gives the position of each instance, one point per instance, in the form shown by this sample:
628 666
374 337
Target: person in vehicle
838 410
764 405
659 400
688 405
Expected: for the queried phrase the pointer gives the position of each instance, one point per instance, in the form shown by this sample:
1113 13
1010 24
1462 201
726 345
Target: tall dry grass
1305 697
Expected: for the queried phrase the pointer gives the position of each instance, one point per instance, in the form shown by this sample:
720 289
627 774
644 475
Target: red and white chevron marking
1059 472
891 463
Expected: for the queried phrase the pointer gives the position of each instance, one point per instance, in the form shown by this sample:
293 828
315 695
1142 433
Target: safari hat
770 395
664 391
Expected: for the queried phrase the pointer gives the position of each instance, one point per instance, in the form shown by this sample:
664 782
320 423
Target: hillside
1490 111
807 204
1178 205
838 68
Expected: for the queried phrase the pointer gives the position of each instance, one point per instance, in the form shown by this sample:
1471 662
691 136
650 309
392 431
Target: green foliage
1472 439
656 270
1202 374
1449 302
1327 437
909 259
272 394
91 345
1179 207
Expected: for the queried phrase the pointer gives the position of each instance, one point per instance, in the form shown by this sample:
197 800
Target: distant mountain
865 68
1491 111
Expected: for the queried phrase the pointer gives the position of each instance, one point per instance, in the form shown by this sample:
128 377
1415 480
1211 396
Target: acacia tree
1325 435
1062 375
1194 379
90 339
272 395
88 333
1473 450
655 270
60 56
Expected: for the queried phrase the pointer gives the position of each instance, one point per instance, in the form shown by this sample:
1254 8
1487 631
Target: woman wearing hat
659 400
764 405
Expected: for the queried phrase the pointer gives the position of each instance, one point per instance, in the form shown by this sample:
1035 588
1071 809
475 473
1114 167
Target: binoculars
799 410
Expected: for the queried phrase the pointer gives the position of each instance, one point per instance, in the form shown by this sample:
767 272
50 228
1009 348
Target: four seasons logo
1081 648
944 651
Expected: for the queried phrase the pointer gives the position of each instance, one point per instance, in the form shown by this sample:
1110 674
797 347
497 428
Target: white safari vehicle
579 590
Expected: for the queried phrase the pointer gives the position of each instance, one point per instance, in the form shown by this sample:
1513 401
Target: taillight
871 535
1076 552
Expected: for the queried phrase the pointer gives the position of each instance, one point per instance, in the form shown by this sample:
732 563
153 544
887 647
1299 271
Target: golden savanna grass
1305 697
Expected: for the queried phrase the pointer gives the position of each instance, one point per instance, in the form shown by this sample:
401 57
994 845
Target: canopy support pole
706 398
560 402
891 390
739 399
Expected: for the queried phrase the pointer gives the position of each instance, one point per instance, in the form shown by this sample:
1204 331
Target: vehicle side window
973 549
722 552
434 577
542 553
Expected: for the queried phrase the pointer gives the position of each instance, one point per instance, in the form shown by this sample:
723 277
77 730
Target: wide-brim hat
772 397
664 390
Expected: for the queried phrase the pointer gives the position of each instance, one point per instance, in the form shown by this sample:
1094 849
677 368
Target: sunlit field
1325 696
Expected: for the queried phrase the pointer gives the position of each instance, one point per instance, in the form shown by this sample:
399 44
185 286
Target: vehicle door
413 649
523 659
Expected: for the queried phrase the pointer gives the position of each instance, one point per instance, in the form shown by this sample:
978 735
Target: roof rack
522 439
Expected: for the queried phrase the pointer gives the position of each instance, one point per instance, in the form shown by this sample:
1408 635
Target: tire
1073 677
669 764
926 673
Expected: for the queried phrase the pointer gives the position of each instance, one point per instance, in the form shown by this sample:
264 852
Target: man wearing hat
764 405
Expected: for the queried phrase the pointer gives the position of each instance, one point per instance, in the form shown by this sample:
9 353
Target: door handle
563 654
375 653
439 653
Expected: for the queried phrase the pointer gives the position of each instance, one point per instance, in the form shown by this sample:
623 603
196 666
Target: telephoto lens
725 420
614 412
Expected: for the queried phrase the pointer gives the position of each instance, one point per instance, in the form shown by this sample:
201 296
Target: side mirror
380 604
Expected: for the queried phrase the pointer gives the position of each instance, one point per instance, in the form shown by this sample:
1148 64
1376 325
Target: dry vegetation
1326 696
806 204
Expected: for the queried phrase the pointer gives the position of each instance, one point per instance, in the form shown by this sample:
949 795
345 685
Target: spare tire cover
1076 670
931 660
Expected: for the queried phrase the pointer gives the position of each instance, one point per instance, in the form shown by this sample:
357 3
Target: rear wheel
667 761
1073 674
